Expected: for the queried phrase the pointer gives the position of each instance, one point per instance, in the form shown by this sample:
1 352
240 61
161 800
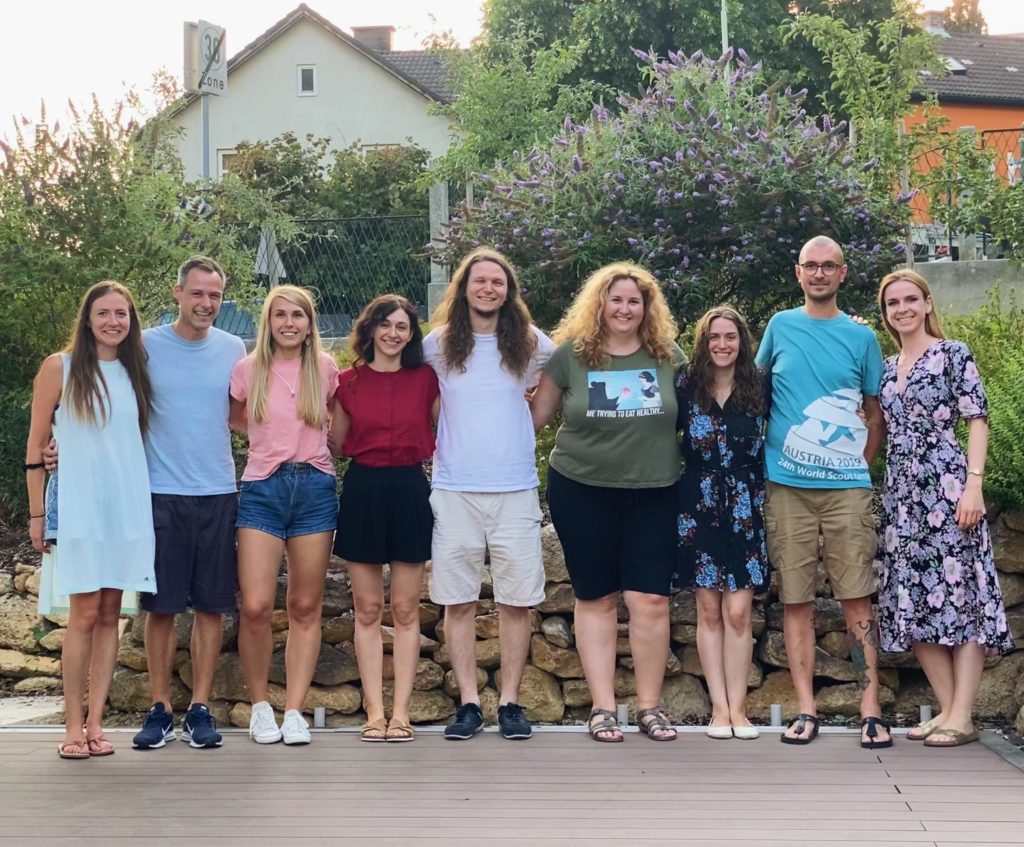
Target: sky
56 49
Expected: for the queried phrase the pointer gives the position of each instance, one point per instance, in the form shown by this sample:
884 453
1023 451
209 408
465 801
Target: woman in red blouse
388 403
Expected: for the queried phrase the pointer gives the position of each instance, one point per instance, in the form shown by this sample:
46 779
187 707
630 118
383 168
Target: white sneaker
294 728
262 724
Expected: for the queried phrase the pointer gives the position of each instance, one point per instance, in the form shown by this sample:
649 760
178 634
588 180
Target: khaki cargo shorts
794 517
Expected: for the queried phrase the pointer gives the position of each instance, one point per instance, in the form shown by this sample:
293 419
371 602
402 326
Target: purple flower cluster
712 179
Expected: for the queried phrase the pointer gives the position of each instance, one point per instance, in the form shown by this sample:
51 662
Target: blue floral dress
938 584
721 494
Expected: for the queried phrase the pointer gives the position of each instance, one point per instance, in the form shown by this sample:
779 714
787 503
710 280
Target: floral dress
721 494
938 584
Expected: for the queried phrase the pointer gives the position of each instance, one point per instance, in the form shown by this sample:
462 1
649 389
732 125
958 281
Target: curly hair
375 313
748 379
583 324
932 322
516 341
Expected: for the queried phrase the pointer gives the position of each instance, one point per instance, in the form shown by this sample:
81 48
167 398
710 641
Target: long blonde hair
932 322
583 324
86 390
310 390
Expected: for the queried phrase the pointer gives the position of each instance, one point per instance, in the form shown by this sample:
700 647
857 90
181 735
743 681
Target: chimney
377 38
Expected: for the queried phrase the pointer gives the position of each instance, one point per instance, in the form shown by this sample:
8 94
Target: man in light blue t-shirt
823 430
192 479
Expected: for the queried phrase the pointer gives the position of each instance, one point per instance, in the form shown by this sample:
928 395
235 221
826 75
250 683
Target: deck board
557 790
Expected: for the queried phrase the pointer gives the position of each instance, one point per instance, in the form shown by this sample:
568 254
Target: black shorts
195 554
614 539
384 515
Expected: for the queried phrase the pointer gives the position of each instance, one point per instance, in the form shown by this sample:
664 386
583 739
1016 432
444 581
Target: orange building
984 92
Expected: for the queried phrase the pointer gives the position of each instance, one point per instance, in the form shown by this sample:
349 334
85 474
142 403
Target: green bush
1004 470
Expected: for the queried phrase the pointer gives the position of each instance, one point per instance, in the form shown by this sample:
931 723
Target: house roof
992 70
420 70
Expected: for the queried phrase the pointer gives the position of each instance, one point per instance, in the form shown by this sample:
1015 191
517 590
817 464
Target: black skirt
384 515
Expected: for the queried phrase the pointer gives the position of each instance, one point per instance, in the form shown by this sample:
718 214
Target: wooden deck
557 789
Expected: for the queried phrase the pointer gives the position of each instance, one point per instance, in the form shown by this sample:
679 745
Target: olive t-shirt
619 421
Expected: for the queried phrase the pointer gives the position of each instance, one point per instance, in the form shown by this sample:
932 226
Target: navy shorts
195 554
296 499
614 539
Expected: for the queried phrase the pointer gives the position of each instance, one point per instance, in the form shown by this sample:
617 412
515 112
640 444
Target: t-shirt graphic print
831 436
623 394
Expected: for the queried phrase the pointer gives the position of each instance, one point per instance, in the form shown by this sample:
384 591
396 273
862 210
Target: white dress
105 518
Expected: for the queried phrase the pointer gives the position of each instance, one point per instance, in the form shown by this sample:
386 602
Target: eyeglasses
827 268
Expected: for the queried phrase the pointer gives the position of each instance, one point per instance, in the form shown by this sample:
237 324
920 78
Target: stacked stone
553 689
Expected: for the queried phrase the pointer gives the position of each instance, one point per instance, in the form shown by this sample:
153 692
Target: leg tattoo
864 634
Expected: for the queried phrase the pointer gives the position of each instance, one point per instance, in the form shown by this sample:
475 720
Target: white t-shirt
485 439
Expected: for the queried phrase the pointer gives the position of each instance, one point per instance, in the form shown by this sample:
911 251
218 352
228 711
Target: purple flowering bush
712 179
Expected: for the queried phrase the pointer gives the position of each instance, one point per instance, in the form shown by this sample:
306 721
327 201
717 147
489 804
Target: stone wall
553 689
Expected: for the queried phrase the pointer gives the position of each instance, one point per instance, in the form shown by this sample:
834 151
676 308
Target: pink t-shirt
284 437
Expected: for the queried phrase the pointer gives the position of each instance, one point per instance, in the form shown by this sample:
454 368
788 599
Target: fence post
439 214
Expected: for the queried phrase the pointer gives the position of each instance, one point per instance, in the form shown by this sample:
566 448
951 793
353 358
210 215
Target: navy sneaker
157 729
199 728
513 724
469 720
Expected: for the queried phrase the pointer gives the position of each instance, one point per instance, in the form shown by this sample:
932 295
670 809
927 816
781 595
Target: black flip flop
801 721
872 723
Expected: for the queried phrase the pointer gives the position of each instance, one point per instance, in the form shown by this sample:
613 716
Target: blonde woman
611 480
96 396
283 394
939 593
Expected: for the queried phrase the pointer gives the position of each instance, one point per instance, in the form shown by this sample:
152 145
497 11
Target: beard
485 313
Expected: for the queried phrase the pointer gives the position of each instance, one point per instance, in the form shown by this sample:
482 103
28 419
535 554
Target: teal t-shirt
820 372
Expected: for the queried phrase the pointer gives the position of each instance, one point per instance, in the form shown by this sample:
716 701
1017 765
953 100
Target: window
224 160
306 80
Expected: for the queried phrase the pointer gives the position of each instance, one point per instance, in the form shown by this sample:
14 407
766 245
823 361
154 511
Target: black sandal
658 723
800 722
872 723
609 723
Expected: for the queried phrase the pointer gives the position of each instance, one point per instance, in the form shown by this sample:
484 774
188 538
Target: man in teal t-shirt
823 430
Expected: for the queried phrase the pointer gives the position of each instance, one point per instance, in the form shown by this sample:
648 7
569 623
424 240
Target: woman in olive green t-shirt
611 480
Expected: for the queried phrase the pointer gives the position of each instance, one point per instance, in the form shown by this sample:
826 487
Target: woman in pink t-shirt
283 395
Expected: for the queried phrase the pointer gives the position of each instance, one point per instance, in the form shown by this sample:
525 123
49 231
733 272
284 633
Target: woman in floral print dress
723 406
939 593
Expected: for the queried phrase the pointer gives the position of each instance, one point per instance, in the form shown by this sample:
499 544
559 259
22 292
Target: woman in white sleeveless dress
96 397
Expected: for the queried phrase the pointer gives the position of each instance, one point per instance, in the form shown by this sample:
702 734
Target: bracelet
978 472
33 517
34 466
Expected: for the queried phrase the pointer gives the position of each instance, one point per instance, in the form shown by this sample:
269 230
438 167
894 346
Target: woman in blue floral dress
939 594
723 406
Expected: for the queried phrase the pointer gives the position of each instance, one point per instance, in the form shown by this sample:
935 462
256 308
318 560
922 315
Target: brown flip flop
100 746
73 749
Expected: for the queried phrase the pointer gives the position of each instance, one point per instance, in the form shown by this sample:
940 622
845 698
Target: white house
305 75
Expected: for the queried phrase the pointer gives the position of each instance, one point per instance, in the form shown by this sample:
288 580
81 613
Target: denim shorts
297 499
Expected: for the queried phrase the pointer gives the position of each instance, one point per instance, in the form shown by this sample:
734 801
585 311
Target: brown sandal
399 730
601 730
73 749
658 723
100 746
374 730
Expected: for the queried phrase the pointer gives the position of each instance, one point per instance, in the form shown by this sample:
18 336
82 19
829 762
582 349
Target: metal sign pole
206 136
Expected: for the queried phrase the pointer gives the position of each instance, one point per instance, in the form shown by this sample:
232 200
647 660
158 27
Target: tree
710 179
964 16
102 199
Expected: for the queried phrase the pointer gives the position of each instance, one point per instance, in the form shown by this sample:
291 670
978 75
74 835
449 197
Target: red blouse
389 415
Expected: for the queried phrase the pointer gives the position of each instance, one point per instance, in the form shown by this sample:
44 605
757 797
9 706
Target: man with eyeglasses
824 429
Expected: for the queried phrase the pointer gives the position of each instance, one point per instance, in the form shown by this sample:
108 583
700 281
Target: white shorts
466 526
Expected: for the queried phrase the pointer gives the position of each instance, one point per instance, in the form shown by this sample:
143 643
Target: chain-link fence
347 262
